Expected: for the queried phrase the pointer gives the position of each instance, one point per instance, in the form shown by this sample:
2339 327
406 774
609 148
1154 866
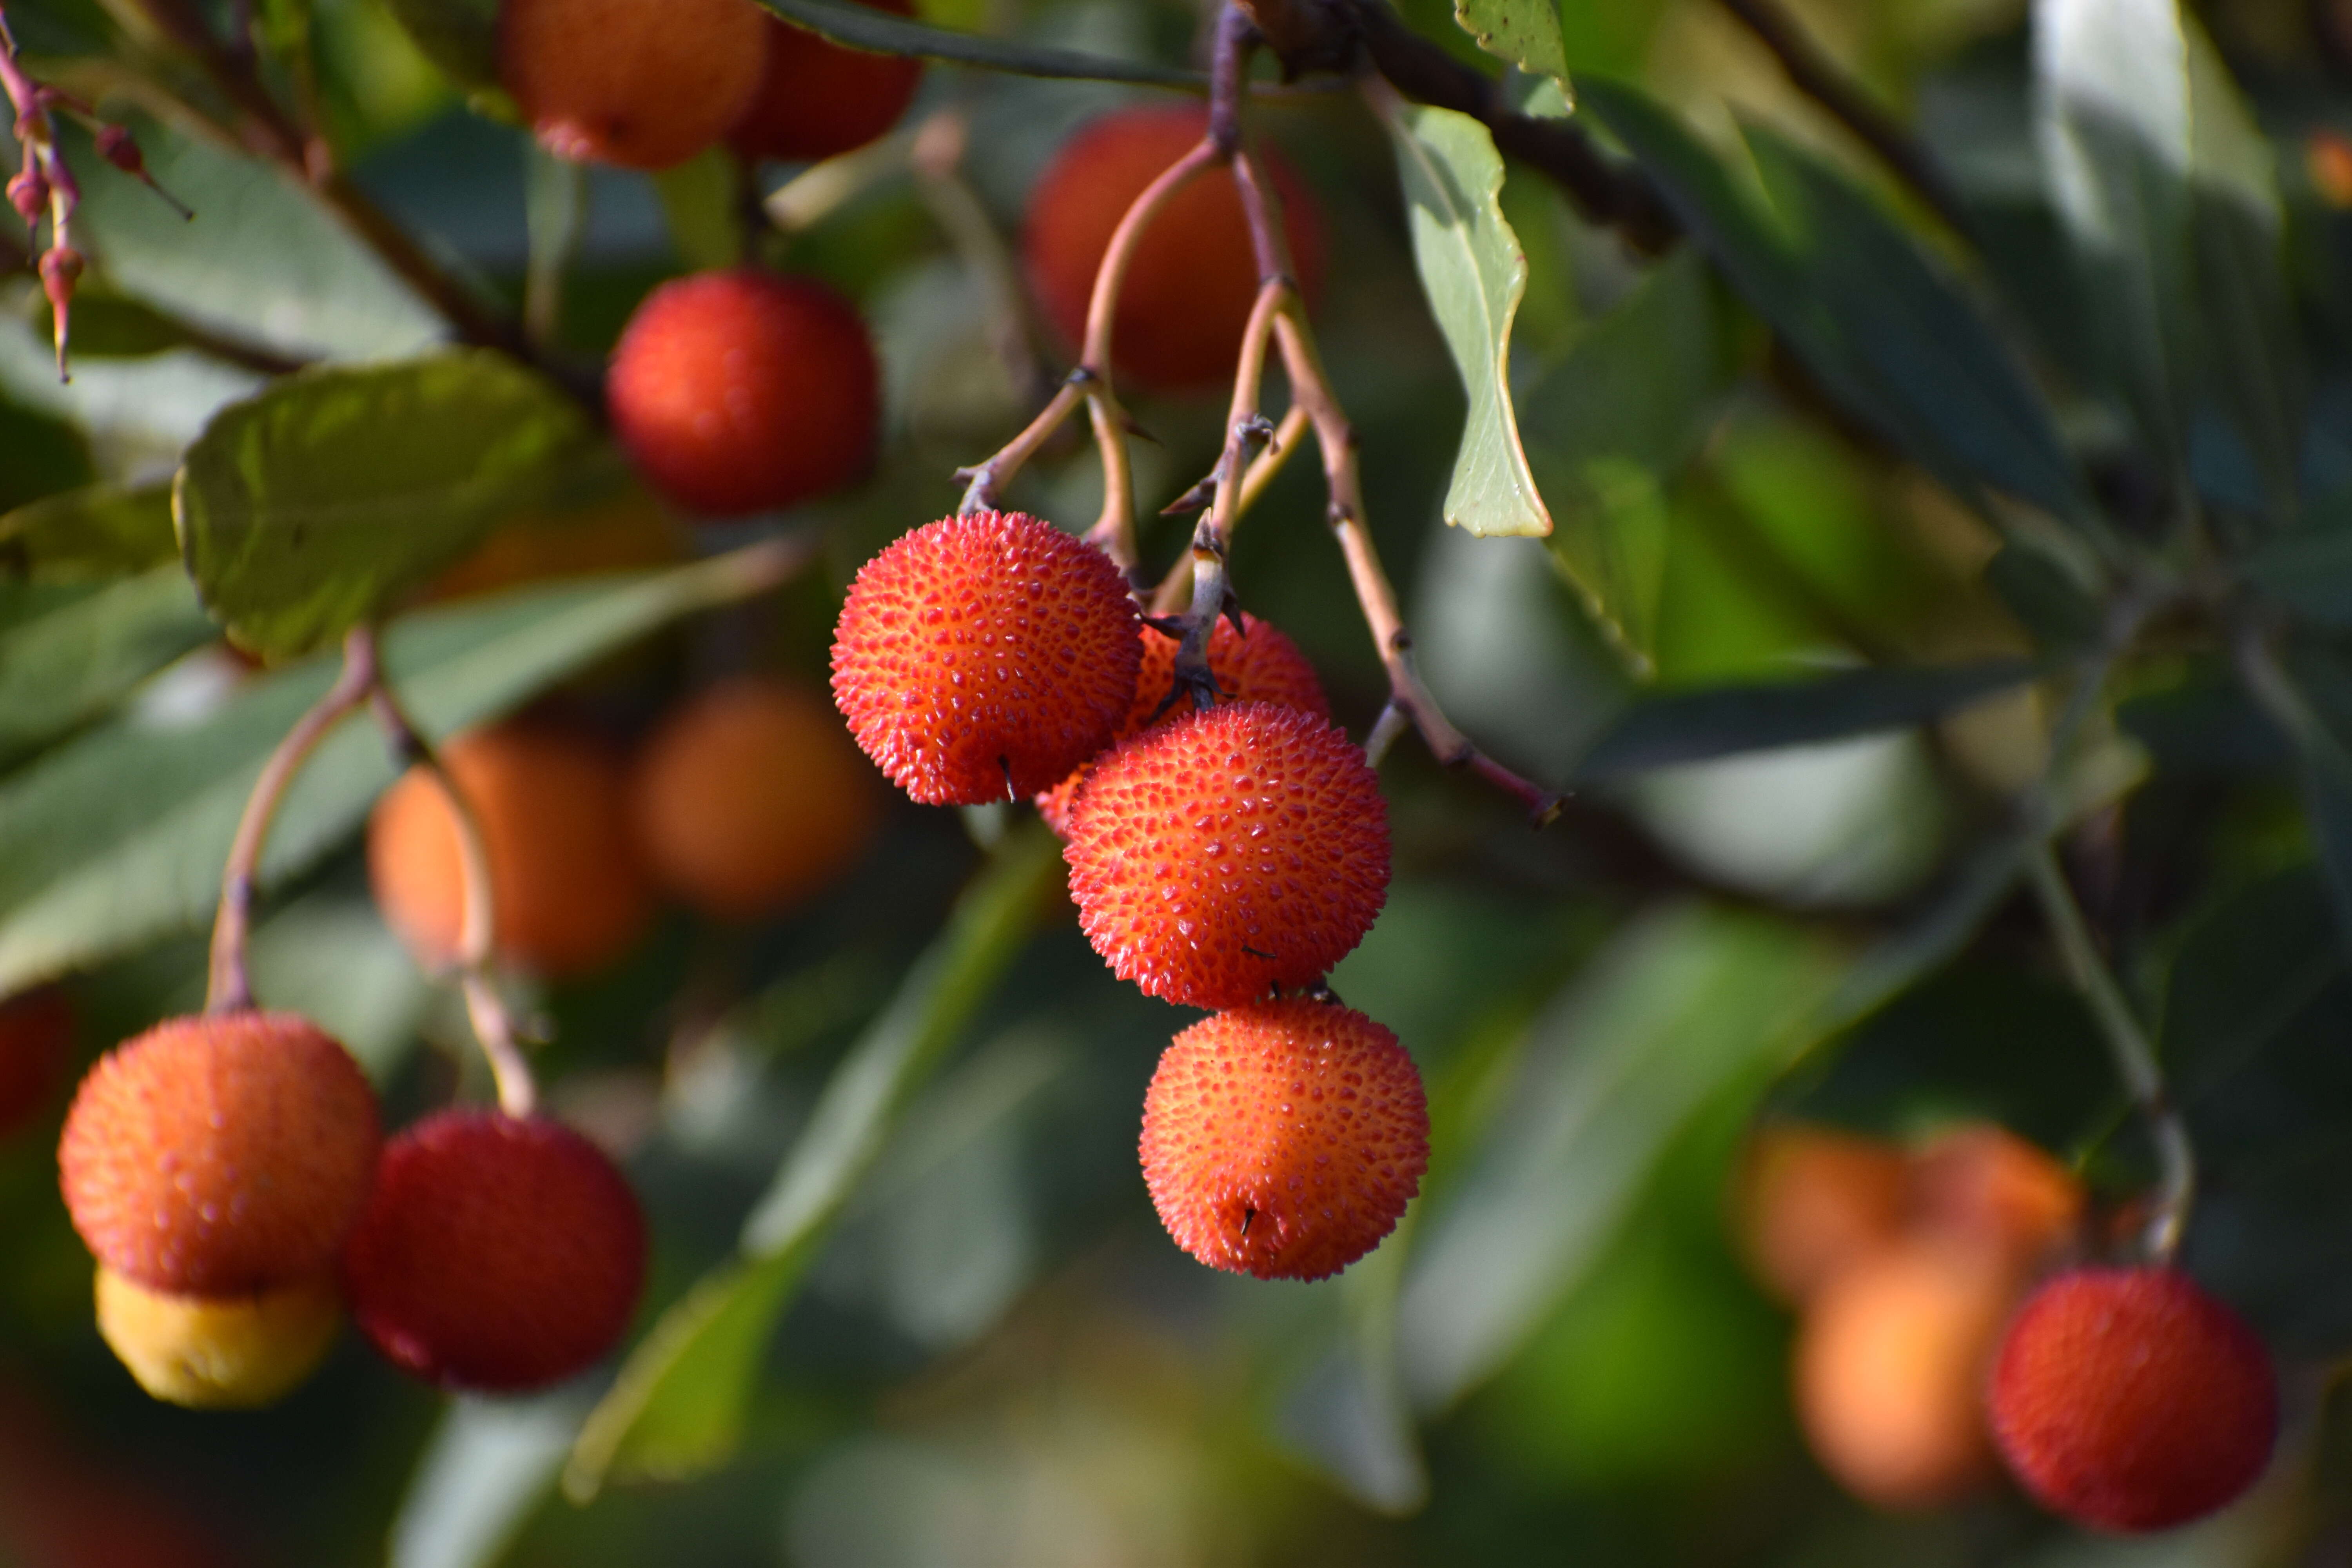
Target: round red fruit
816 99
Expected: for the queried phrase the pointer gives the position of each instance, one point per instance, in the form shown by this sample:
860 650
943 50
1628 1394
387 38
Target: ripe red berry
1283 1138
497 1253
35 1039
1230 852
983 656
816 98
2129 1399
1257 664
1188 292
641 83
741 391
220 1155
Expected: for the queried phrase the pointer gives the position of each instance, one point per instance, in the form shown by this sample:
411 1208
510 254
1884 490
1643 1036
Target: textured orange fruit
983 656
749 798
1187 297
741 391
1216 858
1257 664
641 83
1812 1200
497 1253
36 1041
219 1155
2128 1399
569 891
816 98
1983 1184
1283 1138
1890 1369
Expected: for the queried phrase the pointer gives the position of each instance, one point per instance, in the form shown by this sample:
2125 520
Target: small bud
60 268
28 193
116 145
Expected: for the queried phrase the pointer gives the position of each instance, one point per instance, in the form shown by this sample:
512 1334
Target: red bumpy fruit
1232 851
739 391
220 1155
1283 1140
641 83
985 657
816 98
2128 1399
1188 292
1256 664
497 1253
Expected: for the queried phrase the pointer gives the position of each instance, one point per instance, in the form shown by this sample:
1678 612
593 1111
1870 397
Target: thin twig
229 983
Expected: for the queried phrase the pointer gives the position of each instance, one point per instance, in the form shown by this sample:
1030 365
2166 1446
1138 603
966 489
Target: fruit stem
2129 1045
486 1010
229 984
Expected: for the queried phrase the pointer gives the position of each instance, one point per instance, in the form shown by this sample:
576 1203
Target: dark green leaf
319 503
63 669
100 531
461 37
2309 572
1524 33
878 32
1660 732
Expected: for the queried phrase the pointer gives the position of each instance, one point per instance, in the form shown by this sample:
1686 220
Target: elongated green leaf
1690 727
319 503
488 1464
461 37
878 32
1525 33
1672 1011
116 840
1474 272
682 1396
1348 1413
67 667
99 530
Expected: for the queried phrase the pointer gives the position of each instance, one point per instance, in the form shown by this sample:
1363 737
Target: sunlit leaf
878 31
99 530
461 37
59 669
1525 33
487 1464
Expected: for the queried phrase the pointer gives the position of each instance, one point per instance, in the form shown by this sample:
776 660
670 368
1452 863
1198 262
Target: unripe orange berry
1257 664
630 532
741 391
36 1041
220 1155
228 1352
1813 1200
1188 292
816 98
641 83
497 1253
2129 1399
570 893
1890 1370
749 798
1232 851
1283 1138
983 656
1982 1184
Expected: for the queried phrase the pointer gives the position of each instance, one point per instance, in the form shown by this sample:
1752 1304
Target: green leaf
487 1466
99 530
1674 1009
1690 727
60 670
699 199
1348 1413
2311 574
116 840
1474 272
319 503
1525 33
877 31
681 1403
461 37
262 262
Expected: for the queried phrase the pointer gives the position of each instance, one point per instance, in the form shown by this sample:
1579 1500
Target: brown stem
1213 535
229 984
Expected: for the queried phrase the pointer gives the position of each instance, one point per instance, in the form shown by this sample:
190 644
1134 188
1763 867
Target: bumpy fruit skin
1188 292
1257 664
741 391
1230 852
641 83
816 99
1813 1200
2127 1399
497 1253
220 1155
569 891
984 656
36 1031
230 1352
750 798
1889 1372
1283 1140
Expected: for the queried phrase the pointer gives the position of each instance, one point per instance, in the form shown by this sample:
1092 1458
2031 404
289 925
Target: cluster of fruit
1223 857
1944 1323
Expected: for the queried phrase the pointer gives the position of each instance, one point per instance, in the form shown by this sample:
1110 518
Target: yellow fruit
219 1353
